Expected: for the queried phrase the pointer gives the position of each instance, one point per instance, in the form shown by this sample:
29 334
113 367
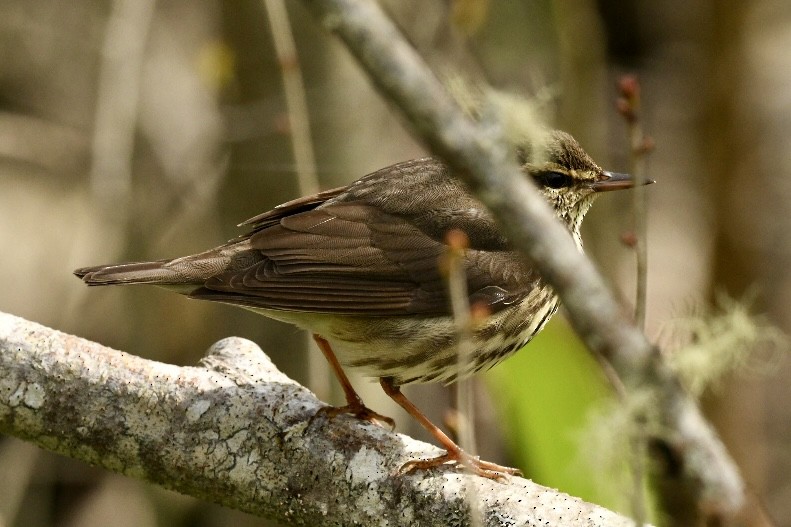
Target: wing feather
349 251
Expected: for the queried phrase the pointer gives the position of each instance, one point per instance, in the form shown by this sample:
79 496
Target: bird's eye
554 179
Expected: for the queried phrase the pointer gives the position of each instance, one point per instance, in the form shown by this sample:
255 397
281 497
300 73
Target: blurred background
133 130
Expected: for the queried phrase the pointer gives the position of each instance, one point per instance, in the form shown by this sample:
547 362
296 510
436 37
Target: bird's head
567 176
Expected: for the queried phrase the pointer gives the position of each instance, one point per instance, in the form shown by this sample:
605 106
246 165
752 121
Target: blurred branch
452 264
296 100
41 143
19 464
628 105
238 432
117 100
478 155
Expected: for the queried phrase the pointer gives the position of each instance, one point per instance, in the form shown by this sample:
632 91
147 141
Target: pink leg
354 404
453 453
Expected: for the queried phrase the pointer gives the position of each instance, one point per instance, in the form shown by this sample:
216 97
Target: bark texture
238 432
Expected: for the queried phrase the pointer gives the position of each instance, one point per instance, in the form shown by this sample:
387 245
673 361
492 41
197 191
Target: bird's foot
472 464
354 404
359 410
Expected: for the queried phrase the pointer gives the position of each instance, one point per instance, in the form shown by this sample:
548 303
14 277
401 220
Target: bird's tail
182 275
130 273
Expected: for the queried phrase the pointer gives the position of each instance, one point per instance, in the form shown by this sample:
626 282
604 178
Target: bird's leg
453 453
354 404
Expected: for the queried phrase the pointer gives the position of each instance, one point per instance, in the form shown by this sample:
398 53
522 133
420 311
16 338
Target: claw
472 464
453 453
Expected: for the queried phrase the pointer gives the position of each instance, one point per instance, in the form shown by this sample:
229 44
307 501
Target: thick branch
484 163
238 432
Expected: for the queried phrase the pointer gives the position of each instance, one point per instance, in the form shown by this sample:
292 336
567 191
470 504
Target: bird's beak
616 181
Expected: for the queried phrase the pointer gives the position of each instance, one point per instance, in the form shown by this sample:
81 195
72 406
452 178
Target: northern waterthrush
358 267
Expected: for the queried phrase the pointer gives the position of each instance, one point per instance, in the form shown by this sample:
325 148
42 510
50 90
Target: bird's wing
351 257
372 248
289 208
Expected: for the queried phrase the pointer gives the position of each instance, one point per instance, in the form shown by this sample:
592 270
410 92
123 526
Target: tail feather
130 273
182 275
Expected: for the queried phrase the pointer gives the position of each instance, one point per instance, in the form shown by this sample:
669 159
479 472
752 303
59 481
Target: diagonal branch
481 159
238 432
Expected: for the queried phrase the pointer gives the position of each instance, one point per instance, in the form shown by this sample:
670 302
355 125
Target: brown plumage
358 265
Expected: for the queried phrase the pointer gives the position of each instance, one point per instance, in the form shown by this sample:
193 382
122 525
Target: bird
358 267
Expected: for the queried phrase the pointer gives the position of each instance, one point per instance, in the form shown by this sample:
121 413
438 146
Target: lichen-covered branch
238 432
481 159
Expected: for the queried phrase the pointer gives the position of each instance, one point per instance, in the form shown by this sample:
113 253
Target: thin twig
296 100
629 107
465 405
457 287
640 145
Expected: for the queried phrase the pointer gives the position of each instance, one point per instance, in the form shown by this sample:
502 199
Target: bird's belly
424 349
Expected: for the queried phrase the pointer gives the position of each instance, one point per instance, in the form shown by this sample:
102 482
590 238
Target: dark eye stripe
553 179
